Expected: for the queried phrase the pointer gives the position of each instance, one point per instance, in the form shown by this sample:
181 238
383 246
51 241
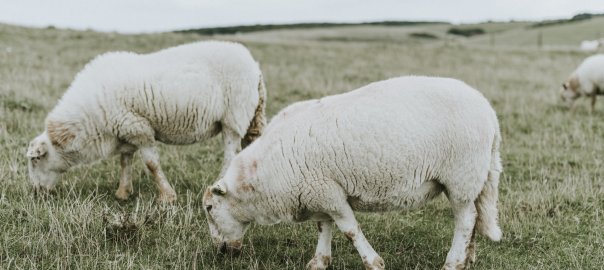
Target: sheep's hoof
166 197
123 193
377 264
451 266
471 257
318 262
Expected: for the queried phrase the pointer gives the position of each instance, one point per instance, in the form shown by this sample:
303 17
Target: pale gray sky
163 15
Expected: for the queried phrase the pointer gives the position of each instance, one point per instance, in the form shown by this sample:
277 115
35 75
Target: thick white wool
591 75
381 146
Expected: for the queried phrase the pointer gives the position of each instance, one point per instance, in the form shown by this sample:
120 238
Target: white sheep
122 102
590 45
587 80
390 145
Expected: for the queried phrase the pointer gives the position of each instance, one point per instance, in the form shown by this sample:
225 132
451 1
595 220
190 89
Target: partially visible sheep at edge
122 102
587 80
390 145
590 45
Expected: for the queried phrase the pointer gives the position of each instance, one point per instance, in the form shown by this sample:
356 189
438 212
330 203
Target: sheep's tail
259 120
486 203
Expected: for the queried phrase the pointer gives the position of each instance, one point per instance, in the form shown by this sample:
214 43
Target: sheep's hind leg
137 132
348 224
125 188
322 256
462 246
151 159
471 250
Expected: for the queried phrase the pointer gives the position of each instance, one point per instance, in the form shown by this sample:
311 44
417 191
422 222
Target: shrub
466 32
423 35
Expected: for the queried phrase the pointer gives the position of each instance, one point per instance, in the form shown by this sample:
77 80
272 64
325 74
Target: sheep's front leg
348 224
322 256
462 246
231 146
471 250
593 103
125 188
151 159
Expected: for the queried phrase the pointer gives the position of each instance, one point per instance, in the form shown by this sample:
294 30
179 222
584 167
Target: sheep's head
227 232
45 164
570 91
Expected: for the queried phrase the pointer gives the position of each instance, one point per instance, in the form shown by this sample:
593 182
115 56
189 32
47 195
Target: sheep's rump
591 74
387 142
185 93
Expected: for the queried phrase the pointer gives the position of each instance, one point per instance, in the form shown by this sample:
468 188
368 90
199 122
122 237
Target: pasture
551 191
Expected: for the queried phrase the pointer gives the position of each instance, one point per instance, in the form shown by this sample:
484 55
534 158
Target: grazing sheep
390 145
123 102
587 80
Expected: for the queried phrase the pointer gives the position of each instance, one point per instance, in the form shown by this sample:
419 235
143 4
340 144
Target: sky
135 16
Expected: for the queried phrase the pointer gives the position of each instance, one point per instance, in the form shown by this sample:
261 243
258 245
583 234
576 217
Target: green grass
552 193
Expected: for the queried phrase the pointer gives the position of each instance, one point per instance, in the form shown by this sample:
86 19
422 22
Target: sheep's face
568 94
226 231
45 164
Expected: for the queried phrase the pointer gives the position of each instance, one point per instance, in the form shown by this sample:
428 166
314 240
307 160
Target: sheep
390 145
122 102
587 80
590 45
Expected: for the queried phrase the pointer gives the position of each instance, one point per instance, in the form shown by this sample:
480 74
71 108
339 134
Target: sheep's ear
574 84
219 189
60 134
37 149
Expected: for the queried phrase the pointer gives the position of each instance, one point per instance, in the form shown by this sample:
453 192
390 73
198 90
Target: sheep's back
182 92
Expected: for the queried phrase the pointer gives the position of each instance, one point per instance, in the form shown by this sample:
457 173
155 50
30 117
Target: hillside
556 35
548 34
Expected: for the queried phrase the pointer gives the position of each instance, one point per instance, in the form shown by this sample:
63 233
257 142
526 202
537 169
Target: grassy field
552 192
563 35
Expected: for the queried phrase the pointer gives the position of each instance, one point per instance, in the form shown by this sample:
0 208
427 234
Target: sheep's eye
208 208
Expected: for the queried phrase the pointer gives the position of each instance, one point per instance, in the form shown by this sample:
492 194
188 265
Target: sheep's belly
184 137
375 202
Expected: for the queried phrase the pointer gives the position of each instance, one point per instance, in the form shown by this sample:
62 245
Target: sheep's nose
223 247
233 248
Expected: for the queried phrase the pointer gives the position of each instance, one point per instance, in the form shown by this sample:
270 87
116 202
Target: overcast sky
163 15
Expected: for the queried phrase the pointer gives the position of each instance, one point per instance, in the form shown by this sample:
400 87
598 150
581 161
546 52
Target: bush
466 32
423 35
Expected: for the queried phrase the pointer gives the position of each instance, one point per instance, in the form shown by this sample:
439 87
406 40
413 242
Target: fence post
540 40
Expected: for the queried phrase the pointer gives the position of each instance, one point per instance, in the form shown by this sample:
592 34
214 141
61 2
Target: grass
560 35
552 193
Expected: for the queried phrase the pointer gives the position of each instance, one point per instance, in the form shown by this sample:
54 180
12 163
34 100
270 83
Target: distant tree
265 27
576 18
582 16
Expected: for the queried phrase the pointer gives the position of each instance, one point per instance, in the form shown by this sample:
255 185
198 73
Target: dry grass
552 193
